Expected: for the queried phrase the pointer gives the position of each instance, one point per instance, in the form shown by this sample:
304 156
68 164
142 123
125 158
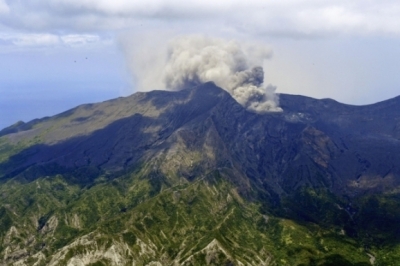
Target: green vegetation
198 222
146 215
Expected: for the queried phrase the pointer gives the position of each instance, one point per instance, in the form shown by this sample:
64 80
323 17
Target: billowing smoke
192 60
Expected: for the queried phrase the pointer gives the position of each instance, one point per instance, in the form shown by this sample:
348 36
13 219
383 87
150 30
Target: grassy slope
176 222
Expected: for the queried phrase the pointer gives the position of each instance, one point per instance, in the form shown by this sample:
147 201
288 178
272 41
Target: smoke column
192 60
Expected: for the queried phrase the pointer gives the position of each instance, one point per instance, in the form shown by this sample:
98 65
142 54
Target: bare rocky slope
192 178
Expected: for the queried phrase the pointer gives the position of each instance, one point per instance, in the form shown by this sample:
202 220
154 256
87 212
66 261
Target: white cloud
31 39
291 18
79 39
4 7
50 40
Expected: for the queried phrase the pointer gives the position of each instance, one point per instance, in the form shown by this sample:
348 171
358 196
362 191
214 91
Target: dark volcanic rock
319 143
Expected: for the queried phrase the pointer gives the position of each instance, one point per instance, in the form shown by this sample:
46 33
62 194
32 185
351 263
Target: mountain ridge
125 170
310 121
22 126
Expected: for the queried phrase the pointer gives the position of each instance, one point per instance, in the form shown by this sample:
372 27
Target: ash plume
191 60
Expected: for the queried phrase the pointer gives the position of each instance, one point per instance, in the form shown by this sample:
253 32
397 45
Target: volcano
193 178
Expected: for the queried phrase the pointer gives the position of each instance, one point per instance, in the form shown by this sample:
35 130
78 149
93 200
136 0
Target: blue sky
56 54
